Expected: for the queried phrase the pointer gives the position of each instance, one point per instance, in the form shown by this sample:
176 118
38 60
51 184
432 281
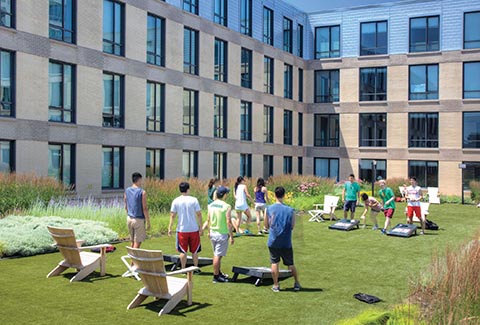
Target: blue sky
317 5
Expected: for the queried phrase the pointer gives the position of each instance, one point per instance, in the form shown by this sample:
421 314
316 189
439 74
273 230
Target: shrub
475 190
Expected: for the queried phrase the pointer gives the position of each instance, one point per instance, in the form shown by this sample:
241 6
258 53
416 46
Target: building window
267 166
268 124
6 84
300 129
220 60
268 26
61 162
326 130
373 84
373 38
424 34
246 165
300 165
327 86
246 17
287 165
300 85
113 103
155 107
62 20
326 168
7 156
190 164
423 82
155 40
246 68
471 81
471 30
287 81
191 6
61 87
423 130
220 165
6 13
220 117
287 127
220 11
155 163
327 42
373 130
112 168
470 173
190 51
268 69
365 168
245 121
113 27
287 35
426 172
300 40
190 112
471 130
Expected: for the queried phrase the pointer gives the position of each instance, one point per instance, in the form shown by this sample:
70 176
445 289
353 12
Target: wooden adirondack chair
84 262
158 284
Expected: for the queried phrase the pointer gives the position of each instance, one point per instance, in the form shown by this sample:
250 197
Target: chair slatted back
149 264
330 203
67 244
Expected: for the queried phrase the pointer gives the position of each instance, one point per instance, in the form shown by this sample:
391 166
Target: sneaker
296 287
223 275
276 289
363 226
422 233
375 227
247 232
198 271
384 231
260 233
265 231
219 279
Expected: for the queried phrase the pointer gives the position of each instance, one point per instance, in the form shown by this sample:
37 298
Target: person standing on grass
241 205
388 198
414 196
189 226
350 197
212 187
374 206
261 199
135 199
281 221
219 226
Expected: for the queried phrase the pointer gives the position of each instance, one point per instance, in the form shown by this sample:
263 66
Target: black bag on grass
369 299
430 225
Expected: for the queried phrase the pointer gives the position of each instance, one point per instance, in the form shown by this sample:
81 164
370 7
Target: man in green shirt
388 198
350 196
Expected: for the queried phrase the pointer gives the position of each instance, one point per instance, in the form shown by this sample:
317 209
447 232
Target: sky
318 5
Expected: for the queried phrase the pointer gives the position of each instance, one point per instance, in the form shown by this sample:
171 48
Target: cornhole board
260 273
403 230
345 225
175 259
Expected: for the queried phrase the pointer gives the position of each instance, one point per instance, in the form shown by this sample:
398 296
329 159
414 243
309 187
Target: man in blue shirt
281 221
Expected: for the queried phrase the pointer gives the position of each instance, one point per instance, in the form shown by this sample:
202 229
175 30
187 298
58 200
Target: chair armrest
183 271
80 242
94 246
317 205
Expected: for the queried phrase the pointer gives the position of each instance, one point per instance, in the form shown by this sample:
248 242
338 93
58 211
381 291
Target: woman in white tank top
241 205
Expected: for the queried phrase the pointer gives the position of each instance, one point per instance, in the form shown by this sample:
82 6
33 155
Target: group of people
351 196
279 222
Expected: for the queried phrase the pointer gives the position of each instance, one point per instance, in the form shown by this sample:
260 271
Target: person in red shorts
189 226
414 196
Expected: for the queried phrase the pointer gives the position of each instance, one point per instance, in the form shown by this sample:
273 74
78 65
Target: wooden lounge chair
70 248
329 205
158 284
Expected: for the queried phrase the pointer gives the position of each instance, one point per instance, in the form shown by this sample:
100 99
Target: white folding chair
329 204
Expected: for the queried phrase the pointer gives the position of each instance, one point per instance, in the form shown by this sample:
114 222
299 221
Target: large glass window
288 81
365 168
246 68
246 17
471 30
423 130
287 127
190 164
300 40
287 35
7 13
470 173
112 168
268 69
268 124
373 84
287 165
220 117
190 112
327 42
267 166
6 84
61 87
426 172
373 130
7 154
220 165
471 130
113 27
326 167
155 40
423 82
300 85
471 80
425 34
300 129
155 107
373 38
191 6
326 130
220 11
246 165
220 60
190 51
268 25
62 20
113 103
245 121
61 162
327 86
155 163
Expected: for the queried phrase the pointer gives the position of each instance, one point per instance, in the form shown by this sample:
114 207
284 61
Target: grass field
333 265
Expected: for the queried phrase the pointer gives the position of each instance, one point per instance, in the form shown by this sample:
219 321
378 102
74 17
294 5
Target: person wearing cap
388 198
219 226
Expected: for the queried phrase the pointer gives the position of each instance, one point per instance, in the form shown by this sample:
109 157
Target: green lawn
333 265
